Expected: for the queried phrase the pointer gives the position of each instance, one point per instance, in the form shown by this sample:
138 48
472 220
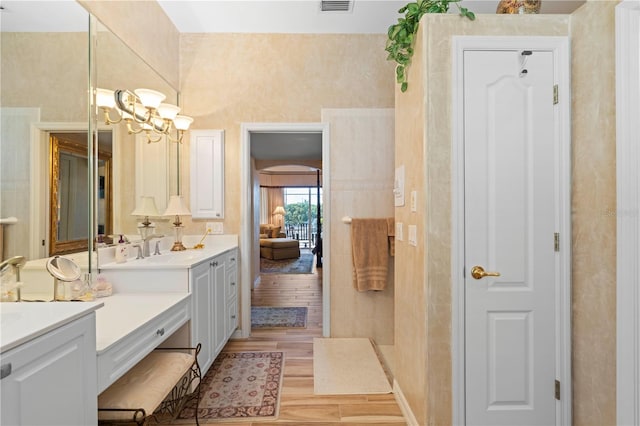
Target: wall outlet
217 228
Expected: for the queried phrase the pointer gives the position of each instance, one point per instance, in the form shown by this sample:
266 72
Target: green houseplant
402 34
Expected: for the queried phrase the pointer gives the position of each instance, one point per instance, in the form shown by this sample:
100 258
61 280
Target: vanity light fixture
143 111
177 208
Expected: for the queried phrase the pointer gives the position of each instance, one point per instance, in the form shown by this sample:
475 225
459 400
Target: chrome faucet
145 244
16 262
139 256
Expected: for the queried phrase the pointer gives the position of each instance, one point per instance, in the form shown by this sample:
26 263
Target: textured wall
594 226
362 169
430 262
228 79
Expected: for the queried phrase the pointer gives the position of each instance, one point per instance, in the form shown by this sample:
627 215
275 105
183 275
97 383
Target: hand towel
370 251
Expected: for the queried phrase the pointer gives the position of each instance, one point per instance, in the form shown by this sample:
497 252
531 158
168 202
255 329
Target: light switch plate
399 235
414 201
217 228
413 235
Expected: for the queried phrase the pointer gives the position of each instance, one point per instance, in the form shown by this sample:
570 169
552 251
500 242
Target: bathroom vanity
49 350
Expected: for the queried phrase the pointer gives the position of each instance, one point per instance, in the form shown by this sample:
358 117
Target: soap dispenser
122 251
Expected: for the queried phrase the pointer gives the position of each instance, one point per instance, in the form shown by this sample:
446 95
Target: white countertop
214 245
123 313
21 322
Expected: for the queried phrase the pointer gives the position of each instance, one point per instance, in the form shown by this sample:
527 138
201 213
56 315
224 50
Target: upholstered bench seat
279 248
142 390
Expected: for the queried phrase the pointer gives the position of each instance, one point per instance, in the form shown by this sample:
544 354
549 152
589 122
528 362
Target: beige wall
229 79
594 229
361 178
423 273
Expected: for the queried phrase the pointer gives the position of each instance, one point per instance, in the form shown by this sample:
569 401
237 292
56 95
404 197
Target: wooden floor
298 404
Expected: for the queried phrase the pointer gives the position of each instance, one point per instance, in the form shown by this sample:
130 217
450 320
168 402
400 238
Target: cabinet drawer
118 359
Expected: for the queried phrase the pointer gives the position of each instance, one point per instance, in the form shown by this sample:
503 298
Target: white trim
409 417
246 234
628 212
560 47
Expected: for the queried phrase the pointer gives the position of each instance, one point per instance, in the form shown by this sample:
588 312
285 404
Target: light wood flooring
298 404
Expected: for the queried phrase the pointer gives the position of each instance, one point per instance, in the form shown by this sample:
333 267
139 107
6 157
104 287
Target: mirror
140 167
69 168
45 92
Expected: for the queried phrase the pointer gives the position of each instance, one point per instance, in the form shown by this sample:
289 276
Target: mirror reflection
69 168
44 67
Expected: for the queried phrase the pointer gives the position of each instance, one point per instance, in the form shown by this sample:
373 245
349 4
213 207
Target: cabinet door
207 174
218 285
202 320
52 380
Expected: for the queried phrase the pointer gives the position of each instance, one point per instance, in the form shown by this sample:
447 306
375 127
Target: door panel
510 214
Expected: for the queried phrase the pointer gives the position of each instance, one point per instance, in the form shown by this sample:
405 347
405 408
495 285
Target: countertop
214 245
123 313
24 321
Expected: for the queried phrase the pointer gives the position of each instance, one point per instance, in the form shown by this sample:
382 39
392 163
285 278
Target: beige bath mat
347 366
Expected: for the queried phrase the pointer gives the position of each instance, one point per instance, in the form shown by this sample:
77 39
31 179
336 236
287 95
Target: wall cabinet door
202 322
207 174
52 380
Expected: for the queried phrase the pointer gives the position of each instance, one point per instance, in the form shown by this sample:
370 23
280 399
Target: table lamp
146 207
279 211
177 208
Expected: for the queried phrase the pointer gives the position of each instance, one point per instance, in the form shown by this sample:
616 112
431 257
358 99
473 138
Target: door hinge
558 390
555 94
556 241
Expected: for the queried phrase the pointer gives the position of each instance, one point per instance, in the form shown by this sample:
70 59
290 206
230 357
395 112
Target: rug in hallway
300 265
278 317
240 386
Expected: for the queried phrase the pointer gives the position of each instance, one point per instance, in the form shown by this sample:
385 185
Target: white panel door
511 209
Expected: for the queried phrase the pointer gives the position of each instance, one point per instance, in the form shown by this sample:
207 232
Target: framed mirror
69 190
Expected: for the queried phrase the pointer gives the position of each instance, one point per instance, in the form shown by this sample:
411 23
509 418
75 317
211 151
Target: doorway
511 243
249 240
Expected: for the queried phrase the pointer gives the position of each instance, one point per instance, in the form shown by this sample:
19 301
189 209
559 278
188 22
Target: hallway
298 404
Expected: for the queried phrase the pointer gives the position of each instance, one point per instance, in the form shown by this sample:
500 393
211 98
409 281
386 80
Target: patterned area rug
277 317
242 386
301 265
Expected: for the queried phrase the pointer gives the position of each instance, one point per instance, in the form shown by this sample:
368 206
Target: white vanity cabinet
51 380
207 174
214 287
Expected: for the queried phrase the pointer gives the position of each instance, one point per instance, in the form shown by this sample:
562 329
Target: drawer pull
5 370
233 283
160 332
214 264
233 259
233 317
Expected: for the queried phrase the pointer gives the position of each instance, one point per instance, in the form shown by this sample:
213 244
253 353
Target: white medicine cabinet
207 174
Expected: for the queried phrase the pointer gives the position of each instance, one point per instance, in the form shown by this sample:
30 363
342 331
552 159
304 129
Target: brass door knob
478 272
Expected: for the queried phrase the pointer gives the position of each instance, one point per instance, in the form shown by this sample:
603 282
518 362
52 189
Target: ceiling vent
336 5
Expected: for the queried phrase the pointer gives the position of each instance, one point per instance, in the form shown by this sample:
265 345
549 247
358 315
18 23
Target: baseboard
404 405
